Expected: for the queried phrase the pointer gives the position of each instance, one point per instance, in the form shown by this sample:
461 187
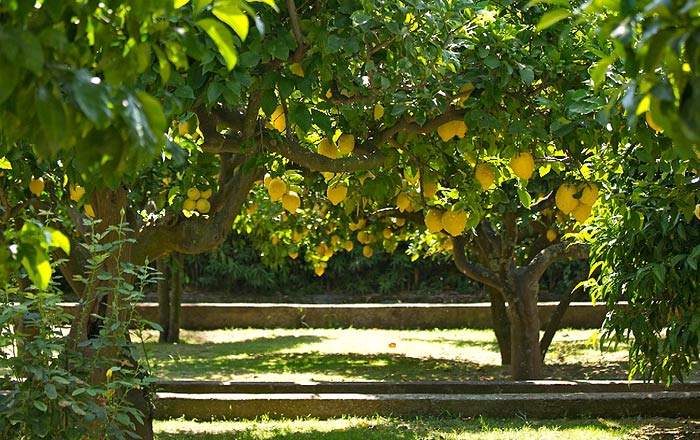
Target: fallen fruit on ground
523 165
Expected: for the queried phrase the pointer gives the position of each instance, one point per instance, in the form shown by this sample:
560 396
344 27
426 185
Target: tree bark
501 324
526 361
164 298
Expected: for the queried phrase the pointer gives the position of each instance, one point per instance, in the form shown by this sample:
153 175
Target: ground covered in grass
379 428
368 355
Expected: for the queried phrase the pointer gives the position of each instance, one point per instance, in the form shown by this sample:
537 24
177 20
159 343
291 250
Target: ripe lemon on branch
485 175
564 198
454 222
433 220
336 193
36 186
291 201
276 188
346 143
327 148
523 165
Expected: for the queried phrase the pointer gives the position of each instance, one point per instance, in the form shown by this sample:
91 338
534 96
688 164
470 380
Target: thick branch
555 252
473 271
316 162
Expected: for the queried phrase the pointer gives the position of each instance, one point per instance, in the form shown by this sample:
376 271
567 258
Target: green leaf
58 240
10 75
41 406
552 17
92 98
230 13
527 75
222 38
38 269
154 112
492 61
5 164
52 117
600 69
524 197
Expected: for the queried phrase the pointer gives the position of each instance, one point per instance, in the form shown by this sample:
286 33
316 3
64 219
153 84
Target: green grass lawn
379 428
368 355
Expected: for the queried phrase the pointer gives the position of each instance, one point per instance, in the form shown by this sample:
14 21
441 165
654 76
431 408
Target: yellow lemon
523 165
189 205
364 237
76 192
359 225
551 235
581 212
251 209
291 201
88 210
367 251
378 111
293 255
36 186
454 222
337 193
327 148
206 193
203 205
297 69
279 120
403 202
564 198
485 175
387 233
319 270
445 131
433 220
193 193
346 143
348 245
589 193
429 189
697 211
277 188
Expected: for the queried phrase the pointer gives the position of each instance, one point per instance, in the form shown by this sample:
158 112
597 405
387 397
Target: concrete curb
540 405
210 316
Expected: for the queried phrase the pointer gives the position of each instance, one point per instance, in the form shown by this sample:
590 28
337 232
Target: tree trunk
554 323
501 324
527 363
170 297
164 298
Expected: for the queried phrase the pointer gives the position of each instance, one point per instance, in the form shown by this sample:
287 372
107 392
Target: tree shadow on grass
418 428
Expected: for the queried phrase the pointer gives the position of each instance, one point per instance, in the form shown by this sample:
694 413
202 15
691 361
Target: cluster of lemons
76 192
577 200
197 200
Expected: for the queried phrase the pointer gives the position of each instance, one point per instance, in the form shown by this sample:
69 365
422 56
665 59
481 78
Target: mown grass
368 355
381 428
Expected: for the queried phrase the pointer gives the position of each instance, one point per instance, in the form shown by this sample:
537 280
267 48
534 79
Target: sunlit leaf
223 39
552 17
230 13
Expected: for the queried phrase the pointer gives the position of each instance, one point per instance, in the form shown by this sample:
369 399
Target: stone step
214 406
424 387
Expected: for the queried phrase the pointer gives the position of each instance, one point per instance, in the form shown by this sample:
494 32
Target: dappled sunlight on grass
394 428
368 355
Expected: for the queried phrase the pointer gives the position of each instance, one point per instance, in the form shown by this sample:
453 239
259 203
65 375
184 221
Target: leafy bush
49 388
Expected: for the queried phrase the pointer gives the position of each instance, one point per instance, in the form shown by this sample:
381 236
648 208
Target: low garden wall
209 316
